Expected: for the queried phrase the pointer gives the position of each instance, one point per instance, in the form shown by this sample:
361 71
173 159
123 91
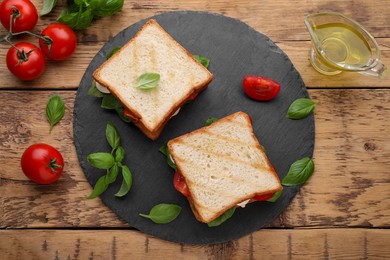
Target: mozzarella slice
102 88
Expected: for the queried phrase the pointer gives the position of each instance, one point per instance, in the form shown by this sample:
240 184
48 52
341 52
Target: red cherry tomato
59 41
260 88
23 14
263 197
180 185
25 61
42 163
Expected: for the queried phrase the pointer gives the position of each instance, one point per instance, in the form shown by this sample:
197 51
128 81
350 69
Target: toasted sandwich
221 166
153 51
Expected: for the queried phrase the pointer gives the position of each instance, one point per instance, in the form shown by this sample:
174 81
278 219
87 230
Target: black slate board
235 50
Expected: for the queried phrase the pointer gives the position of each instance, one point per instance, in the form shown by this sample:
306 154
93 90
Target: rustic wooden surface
342 212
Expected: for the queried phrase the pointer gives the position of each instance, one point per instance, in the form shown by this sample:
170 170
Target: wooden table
342 212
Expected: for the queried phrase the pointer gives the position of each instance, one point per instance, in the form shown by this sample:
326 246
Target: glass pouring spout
341 44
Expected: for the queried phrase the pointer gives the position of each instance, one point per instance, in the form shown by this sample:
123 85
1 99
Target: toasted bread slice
223 164
153 50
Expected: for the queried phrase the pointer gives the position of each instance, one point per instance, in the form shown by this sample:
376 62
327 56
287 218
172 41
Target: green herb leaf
110 102
210 121
101 160
164 150
99 188
47 7
112 136
148 81
94 92
276 196
300 108
300 171
112 173
119 154
102 8
203 60
163 213
79 20
126 183
55 110
112 52
120 111
225 216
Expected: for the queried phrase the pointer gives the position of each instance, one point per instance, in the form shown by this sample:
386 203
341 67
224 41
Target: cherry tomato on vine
260 88
25 61
23 14
42 163
58 42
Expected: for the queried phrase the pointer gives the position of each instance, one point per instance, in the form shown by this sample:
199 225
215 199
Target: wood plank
349 186
289 33
130 244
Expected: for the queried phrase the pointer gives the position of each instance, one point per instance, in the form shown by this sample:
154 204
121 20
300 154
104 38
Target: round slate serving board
235 50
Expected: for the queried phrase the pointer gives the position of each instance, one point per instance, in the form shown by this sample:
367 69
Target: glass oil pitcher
341 44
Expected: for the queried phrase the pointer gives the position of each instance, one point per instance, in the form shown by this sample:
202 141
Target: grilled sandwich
221 166
153 50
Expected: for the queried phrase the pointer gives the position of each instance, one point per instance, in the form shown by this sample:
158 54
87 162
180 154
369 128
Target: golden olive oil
343 45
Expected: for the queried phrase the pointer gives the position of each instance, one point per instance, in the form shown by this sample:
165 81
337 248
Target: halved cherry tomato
180 185
23 14
42 163
25 61
263 197
58 42
260 88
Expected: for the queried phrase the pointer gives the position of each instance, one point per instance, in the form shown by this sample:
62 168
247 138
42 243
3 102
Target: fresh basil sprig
111 164
299 172
300 108
225 216
79 14
55 110
148 81
202 60
163 213
108 102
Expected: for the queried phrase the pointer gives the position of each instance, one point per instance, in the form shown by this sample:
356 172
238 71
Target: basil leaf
203 60
77 20
163 213
276 196
110 102
120 111
47 7
101 160
99 188
112 136
210 121
126 183
300 108
94 92
112 173
225 216
299 172
119 154
55 110
148 81
164 150
102 8
112 52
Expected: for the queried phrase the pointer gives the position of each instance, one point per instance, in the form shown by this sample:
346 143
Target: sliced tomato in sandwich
263 197
180 185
